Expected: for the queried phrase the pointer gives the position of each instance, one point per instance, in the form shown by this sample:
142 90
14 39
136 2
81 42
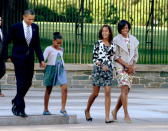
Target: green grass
77 53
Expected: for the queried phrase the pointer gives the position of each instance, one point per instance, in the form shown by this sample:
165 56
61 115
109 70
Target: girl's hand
105 68
98 63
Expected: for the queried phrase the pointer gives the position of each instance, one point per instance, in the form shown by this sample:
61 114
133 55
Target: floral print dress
127 50
104 55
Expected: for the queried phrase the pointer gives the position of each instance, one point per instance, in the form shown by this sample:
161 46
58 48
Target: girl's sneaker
46 113
64 113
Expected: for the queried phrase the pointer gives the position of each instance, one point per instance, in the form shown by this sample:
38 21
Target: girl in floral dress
102 75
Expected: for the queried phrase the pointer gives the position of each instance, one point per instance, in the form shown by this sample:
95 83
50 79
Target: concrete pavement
147 107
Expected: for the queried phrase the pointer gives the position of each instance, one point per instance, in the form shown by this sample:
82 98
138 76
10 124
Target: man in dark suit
2 62
26 41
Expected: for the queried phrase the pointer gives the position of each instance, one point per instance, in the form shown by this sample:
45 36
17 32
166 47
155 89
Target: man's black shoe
21 114
14 110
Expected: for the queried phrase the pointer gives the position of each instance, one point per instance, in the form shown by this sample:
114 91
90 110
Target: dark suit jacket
1 46
2 62
21 51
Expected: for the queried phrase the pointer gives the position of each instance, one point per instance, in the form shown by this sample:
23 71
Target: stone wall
79 75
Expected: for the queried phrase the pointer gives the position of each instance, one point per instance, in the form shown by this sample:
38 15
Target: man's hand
9 60
42 64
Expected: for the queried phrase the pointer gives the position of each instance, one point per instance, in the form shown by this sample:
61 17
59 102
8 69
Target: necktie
28 35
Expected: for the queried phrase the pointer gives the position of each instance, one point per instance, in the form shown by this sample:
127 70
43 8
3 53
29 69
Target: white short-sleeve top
50 55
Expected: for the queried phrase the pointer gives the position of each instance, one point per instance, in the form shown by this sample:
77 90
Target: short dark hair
110 30
57 35
29 12
122 24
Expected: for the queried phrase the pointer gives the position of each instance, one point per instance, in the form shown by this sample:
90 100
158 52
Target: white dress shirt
1 35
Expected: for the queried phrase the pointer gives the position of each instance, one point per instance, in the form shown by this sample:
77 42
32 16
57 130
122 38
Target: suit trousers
24 74
2 70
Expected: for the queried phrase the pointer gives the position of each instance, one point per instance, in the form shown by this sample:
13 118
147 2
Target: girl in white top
126 56
55 73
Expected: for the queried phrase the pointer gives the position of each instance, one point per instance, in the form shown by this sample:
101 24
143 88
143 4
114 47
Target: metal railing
80 20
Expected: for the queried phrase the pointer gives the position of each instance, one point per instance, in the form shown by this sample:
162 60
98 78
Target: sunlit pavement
148 109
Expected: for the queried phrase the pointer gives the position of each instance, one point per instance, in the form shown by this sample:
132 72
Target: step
81 86
81 82
37 120
81 77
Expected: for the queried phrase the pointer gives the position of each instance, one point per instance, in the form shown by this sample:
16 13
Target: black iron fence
80 20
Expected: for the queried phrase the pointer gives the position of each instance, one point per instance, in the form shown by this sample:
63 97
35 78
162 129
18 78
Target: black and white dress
104 55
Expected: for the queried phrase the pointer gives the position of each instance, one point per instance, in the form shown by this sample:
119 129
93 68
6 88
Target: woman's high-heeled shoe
87 116
107 122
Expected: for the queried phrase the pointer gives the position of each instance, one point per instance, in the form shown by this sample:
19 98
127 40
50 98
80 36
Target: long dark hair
110 31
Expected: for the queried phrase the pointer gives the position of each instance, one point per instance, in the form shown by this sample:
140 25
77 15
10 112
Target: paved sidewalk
148 109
